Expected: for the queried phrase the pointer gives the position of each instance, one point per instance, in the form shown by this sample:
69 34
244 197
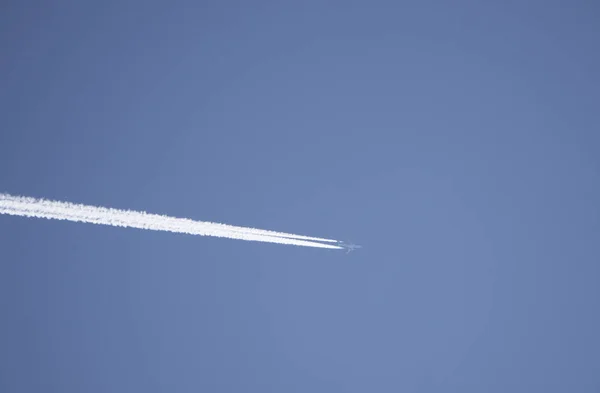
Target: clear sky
458 142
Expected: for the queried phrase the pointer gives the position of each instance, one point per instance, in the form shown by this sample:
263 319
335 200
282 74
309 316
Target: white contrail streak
41 208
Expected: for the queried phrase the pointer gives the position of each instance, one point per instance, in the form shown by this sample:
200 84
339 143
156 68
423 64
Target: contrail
41 208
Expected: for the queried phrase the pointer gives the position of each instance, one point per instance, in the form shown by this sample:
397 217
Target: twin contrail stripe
41 208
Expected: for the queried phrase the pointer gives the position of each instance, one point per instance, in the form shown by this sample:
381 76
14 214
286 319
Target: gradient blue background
457 141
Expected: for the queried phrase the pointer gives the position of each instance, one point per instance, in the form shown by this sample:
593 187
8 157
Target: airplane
350 247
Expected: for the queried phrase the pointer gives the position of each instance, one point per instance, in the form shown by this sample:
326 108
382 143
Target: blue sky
458 143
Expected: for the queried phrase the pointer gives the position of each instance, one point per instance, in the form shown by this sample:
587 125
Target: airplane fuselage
348 247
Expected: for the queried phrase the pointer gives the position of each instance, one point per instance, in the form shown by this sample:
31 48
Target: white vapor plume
41 208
